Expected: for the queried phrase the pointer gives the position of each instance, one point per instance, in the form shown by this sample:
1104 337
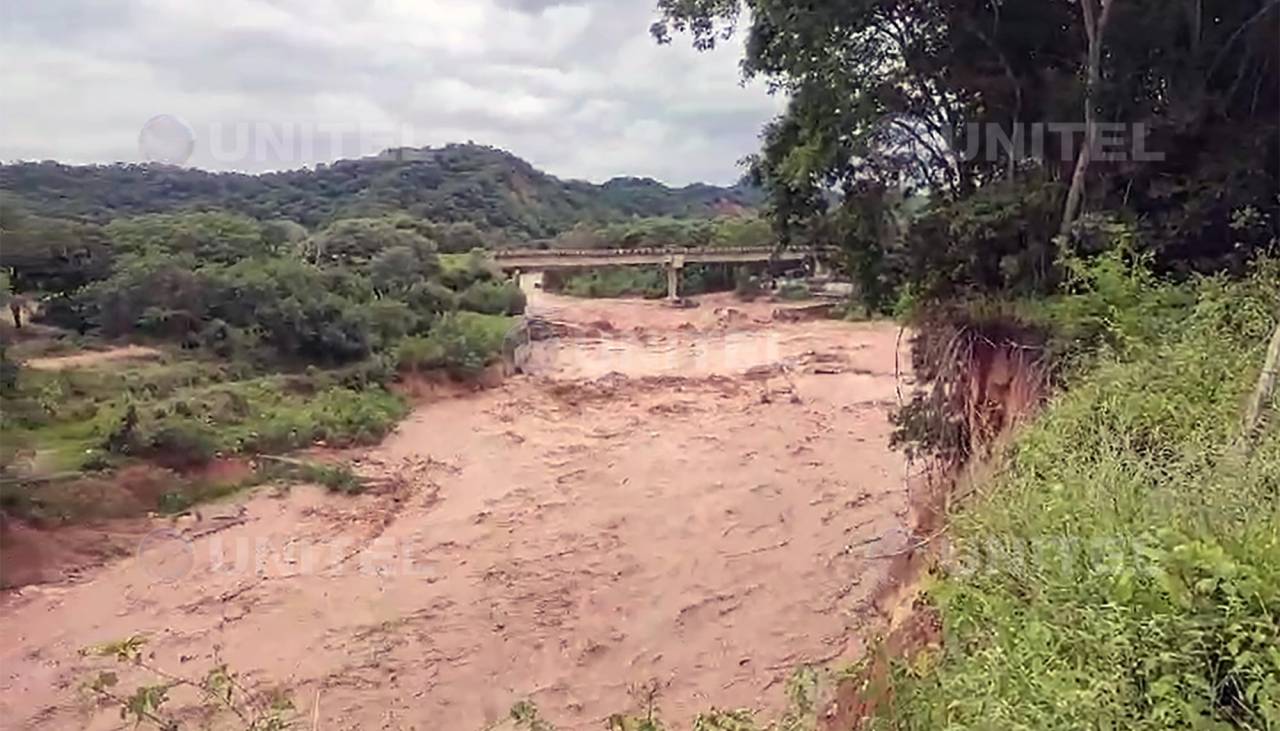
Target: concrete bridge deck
541 259
527 265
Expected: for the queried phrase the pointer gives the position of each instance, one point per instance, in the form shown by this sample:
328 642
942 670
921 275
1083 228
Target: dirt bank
697 497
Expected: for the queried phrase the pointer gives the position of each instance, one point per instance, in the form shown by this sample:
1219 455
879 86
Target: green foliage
50 254
207 237
493 298
357 242
369 283
462 343
650 282
484 189
183 441
222 696
462 270
525 715
339 478
904 163
9 371
1123 571
266 414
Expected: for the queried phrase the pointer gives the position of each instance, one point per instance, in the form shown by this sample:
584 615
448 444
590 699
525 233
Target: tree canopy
895 99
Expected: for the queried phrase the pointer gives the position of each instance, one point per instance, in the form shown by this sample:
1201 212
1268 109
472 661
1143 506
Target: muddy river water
692 499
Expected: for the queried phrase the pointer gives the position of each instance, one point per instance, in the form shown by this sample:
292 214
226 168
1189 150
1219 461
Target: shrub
649 282
463 343
183 441
493 298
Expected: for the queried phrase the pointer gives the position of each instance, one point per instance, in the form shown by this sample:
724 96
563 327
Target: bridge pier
528 282
820 269
674 265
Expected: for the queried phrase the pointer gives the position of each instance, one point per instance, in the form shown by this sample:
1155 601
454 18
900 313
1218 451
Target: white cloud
577 88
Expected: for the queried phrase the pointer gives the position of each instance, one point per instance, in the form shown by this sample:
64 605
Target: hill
484 185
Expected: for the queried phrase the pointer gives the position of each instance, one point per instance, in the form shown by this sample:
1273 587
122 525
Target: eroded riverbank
692 497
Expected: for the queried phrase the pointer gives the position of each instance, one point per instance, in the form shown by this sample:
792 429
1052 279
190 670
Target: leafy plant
220 692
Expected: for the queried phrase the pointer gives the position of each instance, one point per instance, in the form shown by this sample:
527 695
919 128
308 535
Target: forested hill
483 185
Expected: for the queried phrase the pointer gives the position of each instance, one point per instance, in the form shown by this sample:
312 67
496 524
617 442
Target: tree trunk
1095 26
1266 386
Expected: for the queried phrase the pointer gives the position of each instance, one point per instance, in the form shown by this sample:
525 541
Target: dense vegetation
488 189
272 338
283 304
892 143
1121 569
243 289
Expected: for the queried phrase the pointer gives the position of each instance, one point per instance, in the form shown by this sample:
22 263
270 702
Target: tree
1095 27
356 242
397 269
208 236
879 91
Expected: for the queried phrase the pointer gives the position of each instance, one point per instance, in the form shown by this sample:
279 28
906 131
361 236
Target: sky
577 87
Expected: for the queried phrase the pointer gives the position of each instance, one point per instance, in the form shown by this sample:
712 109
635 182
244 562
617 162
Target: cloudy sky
577 87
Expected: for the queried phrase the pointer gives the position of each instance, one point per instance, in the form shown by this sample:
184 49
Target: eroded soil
702 498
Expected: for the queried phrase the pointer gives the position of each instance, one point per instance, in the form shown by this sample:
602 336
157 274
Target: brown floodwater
693 500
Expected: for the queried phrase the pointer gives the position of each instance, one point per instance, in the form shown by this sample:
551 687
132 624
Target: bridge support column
529 282
820 269
674 265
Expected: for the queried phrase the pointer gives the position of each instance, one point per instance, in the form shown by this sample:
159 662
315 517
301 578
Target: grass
61 428
1123 570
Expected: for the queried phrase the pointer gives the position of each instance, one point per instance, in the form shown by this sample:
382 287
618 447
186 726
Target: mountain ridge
485 185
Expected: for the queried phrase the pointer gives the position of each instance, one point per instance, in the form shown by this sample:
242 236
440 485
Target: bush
493 298
183 441
462 343
649 282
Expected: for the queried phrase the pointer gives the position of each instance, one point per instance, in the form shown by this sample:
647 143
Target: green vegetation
1123 570
463 344
474 195
63 432
274 340
906 163
222 697
802 711
189 411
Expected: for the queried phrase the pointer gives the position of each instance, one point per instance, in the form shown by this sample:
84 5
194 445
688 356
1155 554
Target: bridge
527 265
